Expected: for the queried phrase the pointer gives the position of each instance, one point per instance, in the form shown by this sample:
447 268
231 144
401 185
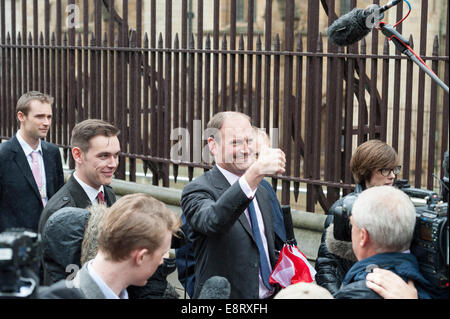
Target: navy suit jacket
20 201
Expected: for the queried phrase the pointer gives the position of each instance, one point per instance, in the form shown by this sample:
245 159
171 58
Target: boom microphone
356 24
215 288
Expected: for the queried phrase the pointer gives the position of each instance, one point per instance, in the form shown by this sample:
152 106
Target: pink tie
37 173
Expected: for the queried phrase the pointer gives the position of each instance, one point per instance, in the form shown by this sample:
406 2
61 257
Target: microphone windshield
352 26
216 288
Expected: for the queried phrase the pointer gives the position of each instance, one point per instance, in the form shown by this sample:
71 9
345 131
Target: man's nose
114 161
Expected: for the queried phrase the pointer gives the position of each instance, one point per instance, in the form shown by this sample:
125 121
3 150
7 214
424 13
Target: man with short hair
134 235
230 217
30 168
95 149
133 238
383 220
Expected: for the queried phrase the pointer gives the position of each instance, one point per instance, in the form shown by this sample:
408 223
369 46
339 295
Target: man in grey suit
30 169
229 216
133 238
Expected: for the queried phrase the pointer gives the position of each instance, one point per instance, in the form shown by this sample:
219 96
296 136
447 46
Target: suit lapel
266 211
221 184
22 162
48 162
77 193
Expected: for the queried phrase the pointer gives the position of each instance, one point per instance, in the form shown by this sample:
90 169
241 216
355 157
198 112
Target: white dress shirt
232 178
27 149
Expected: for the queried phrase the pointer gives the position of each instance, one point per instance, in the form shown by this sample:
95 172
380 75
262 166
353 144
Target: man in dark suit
30 169
230 217
95 149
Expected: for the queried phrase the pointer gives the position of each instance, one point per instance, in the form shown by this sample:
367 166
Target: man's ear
364 237
77 154
21 116
212 144
139 255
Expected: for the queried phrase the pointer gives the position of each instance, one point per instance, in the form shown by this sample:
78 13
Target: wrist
253 176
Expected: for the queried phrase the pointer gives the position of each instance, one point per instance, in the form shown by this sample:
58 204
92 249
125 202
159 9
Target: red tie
100 198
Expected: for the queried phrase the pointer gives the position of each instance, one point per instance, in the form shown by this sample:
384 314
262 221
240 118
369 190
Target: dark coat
20 201
334 257
223 242
185 258
72 195
403 264
61 242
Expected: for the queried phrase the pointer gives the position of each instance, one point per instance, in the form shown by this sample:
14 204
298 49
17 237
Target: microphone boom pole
402 45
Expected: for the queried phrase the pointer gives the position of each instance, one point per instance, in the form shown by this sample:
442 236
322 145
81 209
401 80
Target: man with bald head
229 216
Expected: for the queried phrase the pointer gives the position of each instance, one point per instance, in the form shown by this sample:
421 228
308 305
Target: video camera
19 253
430 243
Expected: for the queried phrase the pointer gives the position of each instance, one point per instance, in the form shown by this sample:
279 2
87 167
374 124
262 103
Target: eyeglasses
387 171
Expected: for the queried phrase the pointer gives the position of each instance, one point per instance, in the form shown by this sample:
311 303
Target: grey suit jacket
223 242
20 201
87 285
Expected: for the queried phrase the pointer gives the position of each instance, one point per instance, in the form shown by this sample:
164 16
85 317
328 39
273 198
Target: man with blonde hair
133 238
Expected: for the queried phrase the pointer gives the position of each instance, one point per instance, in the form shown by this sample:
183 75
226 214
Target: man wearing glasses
374 163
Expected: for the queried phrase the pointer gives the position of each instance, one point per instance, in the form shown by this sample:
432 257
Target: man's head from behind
137 229
230 134
95 149
383 220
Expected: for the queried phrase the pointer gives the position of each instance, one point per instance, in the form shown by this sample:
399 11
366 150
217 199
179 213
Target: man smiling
95 149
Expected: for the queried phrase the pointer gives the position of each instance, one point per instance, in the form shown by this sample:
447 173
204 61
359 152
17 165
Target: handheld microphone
215 288
356 24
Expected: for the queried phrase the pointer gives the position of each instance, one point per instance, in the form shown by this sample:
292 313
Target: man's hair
389 217
216 122
135 221
23 104
84 131
371 155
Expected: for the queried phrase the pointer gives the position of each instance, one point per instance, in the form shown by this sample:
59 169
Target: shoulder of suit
50 146
5 146
61 198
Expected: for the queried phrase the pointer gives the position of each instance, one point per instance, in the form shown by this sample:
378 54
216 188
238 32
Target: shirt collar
89 190
231 178
109 294
27 149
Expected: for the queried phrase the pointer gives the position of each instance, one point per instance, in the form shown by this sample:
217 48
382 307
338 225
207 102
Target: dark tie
264 265
100 198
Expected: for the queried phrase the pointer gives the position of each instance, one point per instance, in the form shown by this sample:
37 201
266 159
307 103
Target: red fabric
292 267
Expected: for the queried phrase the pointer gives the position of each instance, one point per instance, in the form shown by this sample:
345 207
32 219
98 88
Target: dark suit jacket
223 242
71 195
20 201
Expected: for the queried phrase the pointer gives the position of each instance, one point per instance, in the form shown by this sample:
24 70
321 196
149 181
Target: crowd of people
231 220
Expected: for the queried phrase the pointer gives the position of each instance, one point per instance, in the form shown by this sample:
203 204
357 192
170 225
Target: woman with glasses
374 163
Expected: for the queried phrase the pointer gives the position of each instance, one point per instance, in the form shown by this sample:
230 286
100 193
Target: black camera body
430 243
19 253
